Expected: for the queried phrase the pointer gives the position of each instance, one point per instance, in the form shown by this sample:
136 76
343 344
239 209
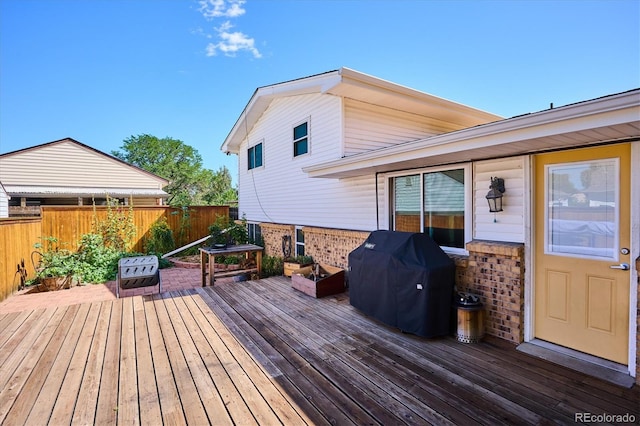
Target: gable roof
68 167
348 83
608 119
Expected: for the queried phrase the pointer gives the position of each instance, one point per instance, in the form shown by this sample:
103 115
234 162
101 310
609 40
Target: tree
181 164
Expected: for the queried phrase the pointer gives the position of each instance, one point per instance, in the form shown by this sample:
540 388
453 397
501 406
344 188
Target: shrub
119 229
160 238
226 231
272 266
301 259
54 261
232 260
97 263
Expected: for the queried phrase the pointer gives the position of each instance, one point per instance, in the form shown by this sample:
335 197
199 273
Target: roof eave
263 96
602 112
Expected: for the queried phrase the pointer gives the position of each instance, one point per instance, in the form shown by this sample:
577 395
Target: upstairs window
301 139
254 155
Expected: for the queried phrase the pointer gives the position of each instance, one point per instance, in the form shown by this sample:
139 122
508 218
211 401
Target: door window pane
582 209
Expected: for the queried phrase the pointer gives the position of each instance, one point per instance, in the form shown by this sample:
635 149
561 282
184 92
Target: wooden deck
261 353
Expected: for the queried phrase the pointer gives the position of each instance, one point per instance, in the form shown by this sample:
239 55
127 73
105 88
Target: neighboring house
67 172
328 158
4 202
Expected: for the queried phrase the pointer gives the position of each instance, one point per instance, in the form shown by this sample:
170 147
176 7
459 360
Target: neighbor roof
111 157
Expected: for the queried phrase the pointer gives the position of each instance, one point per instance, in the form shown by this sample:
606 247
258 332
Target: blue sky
101 71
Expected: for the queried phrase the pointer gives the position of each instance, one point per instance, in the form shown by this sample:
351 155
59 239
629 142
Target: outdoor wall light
494 196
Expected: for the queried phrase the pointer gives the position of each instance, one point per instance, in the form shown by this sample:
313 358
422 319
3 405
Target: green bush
226 231
97 262
161 239
301 259
231 260
54 261
272 266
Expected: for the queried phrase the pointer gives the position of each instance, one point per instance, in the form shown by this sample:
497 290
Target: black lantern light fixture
494 196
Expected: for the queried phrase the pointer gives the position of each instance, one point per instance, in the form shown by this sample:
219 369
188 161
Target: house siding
4 203
509 225
60 164
280 192
369 127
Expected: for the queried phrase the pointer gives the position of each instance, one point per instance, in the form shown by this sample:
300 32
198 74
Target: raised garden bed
318 280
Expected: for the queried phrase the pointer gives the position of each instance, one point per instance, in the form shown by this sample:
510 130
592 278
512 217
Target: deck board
150 413
87 399
63 408
259 352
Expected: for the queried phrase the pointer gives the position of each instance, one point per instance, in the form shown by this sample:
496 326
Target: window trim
307 136
468 199
252 147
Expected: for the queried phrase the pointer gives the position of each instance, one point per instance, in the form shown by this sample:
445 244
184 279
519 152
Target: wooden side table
208 254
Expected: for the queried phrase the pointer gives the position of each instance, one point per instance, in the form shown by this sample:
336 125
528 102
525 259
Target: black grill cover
403 279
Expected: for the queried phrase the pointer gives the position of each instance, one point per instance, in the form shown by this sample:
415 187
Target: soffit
54 191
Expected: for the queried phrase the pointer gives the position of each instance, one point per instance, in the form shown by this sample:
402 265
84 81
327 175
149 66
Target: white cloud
221 8
232 42
229 43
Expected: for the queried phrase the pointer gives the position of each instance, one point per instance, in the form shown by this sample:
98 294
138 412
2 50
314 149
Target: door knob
623 266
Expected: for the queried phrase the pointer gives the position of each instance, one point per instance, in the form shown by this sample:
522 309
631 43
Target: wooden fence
69 223
17 237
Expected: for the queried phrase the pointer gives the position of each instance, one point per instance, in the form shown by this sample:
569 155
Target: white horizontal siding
4 204
280 192
69 164
510 223
369 127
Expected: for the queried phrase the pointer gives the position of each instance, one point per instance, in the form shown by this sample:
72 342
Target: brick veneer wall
272 234
332 246
329 246
495 272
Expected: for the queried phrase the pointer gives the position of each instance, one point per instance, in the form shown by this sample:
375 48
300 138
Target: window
254 234
582 209
433 202
254 155
299 242
301 139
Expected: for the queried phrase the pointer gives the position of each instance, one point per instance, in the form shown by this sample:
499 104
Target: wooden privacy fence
69 223
17 237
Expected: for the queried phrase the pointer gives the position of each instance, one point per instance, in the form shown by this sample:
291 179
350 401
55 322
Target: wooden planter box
331 281
290 267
